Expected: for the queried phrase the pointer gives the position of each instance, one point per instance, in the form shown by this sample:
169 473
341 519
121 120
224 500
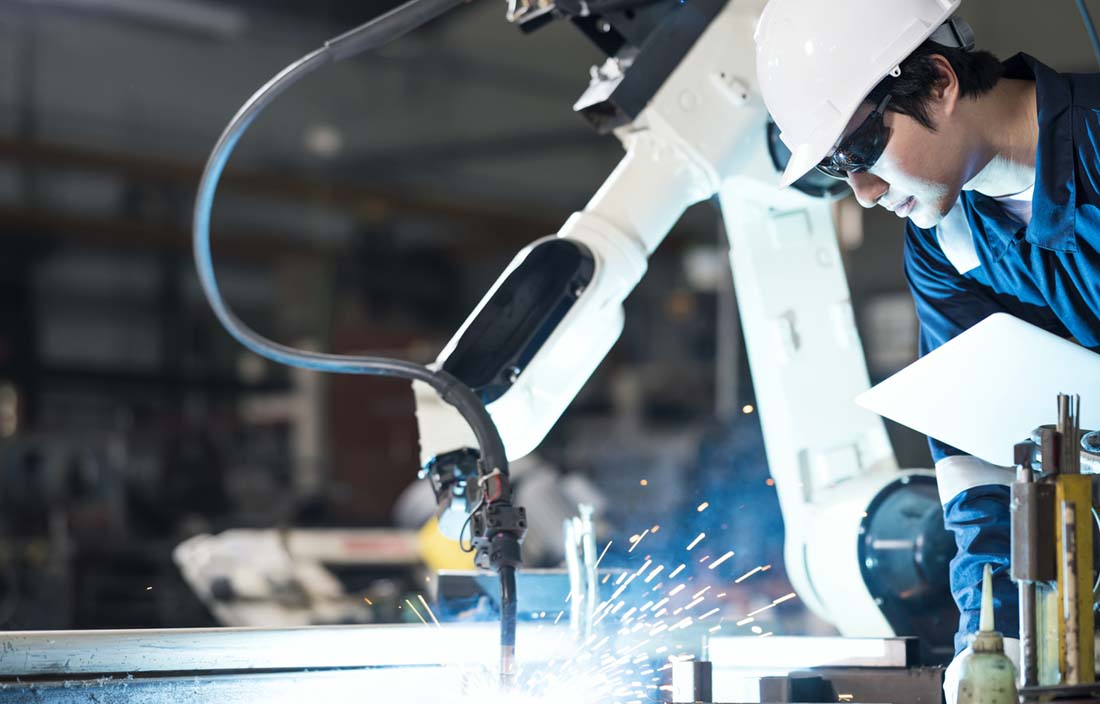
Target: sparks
428 609
639 540
702 507
605 549
786 597
656 571
677 590
748 574
710 613
698 539
720 560
761 610
746 620
416 612
678 570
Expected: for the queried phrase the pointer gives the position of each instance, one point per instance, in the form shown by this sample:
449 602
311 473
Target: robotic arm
678 90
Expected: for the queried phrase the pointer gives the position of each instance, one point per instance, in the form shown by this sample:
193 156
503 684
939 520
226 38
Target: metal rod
1029 652
1069 593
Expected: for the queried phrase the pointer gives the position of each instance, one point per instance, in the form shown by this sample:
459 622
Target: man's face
919 175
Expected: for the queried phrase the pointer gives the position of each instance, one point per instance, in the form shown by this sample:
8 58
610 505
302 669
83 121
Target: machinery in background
865 546
1053 538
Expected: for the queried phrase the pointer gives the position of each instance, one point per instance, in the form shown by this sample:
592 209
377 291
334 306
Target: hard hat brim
803 159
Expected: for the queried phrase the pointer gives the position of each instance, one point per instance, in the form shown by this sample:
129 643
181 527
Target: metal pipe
1024 531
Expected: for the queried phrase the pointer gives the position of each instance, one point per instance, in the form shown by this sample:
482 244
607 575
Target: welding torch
497 527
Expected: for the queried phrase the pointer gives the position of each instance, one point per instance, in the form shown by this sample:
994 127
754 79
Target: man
997 170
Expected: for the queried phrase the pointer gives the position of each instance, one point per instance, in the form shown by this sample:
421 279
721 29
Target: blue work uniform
980 260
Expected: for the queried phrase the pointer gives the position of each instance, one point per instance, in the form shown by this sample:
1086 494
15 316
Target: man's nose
869 189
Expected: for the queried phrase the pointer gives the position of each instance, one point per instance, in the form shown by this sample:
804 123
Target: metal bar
783 652
1069 593
1024 511
70 653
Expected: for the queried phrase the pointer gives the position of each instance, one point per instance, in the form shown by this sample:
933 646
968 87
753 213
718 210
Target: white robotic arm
553 315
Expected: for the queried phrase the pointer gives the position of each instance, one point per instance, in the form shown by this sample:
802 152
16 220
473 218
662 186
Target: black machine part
904 557
520 315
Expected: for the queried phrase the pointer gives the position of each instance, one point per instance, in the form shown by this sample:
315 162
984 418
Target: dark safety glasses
861 149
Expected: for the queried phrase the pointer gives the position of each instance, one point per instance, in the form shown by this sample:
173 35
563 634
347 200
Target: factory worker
996 169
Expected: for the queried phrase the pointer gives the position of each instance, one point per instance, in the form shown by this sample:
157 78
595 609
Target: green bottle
986 675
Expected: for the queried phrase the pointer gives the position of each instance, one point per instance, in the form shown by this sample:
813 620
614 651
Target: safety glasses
861 149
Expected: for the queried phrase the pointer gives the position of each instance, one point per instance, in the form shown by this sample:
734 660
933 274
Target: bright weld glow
677 590
702 507
429 610
710 613
787 597
416 612
720 560
656 571
748 574
678 570
743 621
698 539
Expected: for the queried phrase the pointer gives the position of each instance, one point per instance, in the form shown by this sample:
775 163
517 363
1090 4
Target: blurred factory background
368 210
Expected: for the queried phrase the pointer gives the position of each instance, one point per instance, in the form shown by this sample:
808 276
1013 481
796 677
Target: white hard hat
816 61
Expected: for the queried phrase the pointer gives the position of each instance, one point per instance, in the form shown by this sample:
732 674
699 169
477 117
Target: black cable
368 36
1090 27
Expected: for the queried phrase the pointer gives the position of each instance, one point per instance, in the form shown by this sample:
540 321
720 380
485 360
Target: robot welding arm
553 315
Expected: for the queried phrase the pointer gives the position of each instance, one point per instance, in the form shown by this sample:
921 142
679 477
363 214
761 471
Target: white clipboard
987 389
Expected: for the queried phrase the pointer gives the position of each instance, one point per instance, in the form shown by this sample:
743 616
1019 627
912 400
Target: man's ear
945 89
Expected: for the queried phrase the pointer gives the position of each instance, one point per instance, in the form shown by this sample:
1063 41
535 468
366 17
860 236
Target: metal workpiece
338 664
692 681
807 670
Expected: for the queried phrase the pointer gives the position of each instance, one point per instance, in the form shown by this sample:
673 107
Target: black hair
977 71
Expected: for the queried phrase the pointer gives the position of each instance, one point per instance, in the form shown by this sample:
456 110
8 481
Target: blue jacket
981 261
